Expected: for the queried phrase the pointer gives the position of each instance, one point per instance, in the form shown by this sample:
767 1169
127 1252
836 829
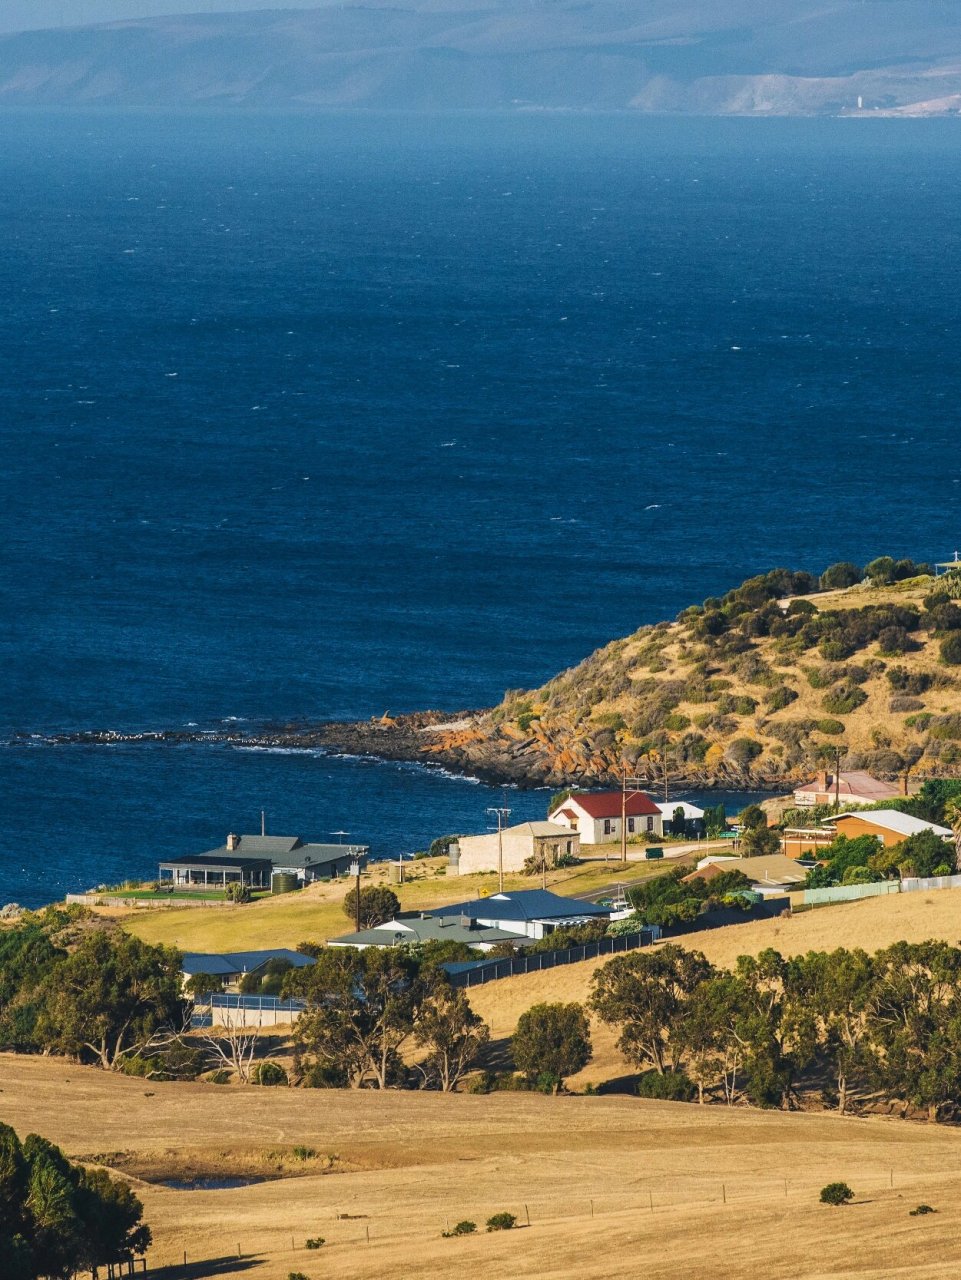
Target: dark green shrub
677 722
835 649
304 1153
297 1275
269 1074
781 698
672 1086
836 1193
910 682
501 1221
820 677
238 892
221 1076
832 727
315 1242
950 649
440 847
742 751
844 699
921 1210
945 617
465 1228
842 574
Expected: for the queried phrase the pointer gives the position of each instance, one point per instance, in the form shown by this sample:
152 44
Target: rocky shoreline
471 743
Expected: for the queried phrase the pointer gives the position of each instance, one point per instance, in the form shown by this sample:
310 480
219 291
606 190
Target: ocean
327 416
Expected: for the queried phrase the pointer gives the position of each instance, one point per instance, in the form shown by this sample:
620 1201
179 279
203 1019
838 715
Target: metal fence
912 884
474 973
849 892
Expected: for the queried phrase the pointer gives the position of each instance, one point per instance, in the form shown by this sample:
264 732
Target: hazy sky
20 15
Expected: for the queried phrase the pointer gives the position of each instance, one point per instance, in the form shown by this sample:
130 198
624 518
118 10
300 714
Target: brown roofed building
856 787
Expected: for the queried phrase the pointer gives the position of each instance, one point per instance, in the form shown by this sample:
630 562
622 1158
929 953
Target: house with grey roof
231 966
255 861
410 928
529 912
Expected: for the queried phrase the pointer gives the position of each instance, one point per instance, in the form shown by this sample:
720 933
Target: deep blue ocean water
325 417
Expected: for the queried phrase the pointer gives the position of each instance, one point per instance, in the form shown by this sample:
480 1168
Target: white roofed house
888 826
692 823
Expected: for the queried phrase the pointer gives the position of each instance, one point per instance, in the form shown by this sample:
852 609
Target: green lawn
316 914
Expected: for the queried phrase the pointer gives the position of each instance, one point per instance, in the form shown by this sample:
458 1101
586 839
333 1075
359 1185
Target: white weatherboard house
596 816
543 839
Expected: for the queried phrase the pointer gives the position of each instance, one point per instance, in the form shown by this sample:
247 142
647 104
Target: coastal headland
746 690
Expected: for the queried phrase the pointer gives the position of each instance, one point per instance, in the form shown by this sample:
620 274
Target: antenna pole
263 822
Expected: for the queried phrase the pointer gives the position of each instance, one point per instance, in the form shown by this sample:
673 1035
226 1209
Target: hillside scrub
752 685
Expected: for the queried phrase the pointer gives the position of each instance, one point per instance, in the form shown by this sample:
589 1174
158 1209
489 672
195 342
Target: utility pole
629 786
263 822
355 872
838 752
501 815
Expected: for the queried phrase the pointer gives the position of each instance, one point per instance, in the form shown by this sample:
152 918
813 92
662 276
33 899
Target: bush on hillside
836 1193
269 1074
671 1086
844 699
501 1221
950 649
840 575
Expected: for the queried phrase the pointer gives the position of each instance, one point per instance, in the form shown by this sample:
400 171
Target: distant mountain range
707 57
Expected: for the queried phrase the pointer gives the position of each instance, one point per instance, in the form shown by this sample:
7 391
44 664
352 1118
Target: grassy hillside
757 686
584 1167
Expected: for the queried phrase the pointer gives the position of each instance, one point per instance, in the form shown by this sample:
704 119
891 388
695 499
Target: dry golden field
734 1193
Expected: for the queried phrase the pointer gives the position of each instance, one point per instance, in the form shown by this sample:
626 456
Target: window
650 824
608 826
630 824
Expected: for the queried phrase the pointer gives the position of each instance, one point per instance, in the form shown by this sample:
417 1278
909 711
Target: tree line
844 1026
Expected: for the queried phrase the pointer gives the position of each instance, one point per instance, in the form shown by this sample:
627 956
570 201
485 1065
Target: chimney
822 780
232 842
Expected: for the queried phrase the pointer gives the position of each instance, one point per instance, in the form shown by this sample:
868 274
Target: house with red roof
596 816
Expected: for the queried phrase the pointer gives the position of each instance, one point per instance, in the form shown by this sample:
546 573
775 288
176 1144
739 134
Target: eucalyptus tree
645 993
